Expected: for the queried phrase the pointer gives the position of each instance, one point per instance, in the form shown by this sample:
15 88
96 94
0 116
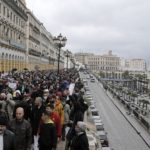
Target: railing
34 52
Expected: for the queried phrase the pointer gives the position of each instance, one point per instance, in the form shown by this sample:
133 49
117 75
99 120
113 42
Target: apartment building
13 20
24 41
107 62
138 65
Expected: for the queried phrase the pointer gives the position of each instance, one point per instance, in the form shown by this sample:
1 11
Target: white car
93 144
87 93
106 148
92 106
99 126
96 118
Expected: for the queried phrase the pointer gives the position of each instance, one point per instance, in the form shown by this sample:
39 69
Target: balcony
12 4
21 47
34 52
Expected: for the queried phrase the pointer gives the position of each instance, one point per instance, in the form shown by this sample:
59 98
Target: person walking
22 130
36 115
7 138
55 118
47 135
80 140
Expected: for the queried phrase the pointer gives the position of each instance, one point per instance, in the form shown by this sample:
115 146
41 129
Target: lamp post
67 55
60 42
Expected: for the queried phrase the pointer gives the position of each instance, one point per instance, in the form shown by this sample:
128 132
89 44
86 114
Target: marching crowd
38 109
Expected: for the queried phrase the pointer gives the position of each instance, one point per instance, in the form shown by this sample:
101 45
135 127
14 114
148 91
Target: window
0 7
11 16
8 13
14 19
4 10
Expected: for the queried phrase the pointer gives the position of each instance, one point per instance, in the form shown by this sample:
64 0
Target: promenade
61 145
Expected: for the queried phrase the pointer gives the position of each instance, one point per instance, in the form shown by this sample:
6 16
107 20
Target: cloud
96 26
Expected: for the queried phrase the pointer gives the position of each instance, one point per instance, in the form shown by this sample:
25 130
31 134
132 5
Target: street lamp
60 42
67 55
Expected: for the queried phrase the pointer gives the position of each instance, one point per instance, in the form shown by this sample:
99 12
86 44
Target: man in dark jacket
7 138
22 130
80 141
48 135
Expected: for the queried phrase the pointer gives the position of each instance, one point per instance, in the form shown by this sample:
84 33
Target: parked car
106 148
102 135
95 114
92 107
92 80
97 121
99 126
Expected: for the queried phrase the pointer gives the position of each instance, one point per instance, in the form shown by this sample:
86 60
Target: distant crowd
38 109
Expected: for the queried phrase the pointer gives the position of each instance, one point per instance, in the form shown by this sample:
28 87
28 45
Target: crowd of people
38 109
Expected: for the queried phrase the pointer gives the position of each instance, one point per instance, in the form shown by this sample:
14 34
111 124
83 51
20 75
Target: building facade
13 20
138 65
40 46
24 41
82 57
107 62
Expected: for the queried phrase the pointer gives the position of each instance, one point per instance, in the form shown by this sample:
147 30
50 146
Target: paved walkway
61 145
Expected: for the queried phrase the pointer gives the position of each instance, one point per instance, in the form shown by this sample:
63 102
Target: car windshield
95 113
99 127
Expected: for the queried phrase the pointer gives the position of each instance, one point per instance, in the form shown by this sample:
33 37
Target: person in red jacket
55 118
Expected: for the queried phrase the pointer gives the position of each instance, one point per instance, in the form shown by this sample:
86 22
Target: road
120 133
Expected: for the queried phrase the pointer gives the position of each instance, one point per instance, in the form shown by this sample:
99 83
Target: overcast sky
98 25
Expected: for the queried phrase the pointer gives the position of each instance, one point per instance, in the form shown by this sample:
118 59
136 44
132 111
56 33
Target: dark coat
9 140
80 142
48 136
23 134
36 115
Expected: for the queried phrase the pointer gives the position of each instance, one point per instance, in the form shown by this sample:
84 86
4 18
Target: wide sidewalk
61 145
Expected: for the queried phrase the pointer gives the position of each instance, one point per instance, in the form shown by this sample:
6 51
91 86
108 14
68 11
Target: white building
13 20
107 62
24 41
133 65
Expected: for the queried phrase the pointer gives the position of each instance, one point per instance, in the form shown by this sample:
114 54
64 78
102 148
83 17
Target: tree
125 75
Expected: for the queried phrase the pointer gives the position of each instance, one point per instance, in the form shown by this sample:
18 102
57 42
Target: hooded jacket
60 110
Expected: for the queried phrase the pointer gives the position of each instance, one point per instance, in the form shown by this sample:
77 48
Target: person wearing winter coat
55 118
22 130
80 140
47 135
7 138
58 107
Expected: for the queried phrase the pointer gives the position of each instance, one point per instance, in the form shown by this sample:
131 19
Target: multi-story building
40 45
13 20
107 62
82 57
138 65
33 40
24 41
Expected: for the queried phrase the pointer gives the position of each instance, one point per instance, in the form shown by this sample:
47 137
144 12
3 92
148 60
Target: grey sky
98 25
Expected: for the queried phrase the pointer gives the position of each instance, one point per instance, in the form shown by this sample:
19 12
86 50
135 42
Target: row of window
8 33
104 59
7 13
11 57
104 63
102 68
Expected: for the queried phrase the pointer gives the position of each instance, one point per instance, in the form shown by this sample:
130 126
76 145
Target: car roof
98 123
